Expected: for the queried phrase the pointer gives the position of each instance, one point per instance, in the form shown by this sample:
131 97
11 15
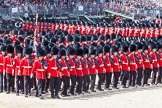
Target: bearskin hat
85 50
28 50
79 51
145 47
3 48
10 49
83 39
99 50
106 49
69 38
101 37
62 52
92 51
132 47
107 36
41 52
153 46
54 50
70 51
47 49
113 36
139 45
94 37
19 49
113 49
124 48
61 39
76 39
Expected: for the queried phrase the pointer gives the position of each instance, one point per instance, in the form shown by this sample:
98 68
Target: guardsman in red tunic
72 69
100 67
108 68
8 66
64 72
26 66
79 70
86 78
139 61
39 67
124 65
155 56
115 66
160 64
132 65
92 68
18 72
54 73
147 65
2 74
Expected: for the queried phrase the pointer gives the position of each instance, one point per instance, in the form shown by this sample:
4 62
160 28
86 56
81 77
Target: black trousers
73 79
66 84
13 83
116 79
40 87
159 75
79 84
101 79
1 82
154 79
19 84
47 83
8 77
132 78
145 76
108 79
86 83
93 80
5 82
54 86
139 76
125 77
27 85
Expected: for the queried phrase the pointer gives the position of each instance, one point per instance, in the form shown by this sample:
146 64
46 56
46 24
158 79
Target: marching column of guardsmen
74 64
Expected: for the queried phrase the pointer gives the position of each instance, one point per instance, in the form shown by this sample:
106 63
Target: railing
90 9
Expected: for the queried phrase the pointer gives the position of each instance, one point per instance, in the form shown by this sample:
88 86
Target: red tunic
25 67
146 61
132 64
72 67
17 61
115 65
124 63
85 66
155 60
53 69
107 64
38 68
63 68
91 66
100 65
8 64
79 68
1 63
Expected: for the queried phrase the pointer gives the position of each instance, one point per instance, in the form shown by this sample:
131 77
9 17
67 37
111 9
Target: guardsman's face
85 55
41 58
27 55
107 54
154 50
146 51
92 56
78 57
55 56
19 54
9 54
100 55
71 56
3 53
115 53
62 57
